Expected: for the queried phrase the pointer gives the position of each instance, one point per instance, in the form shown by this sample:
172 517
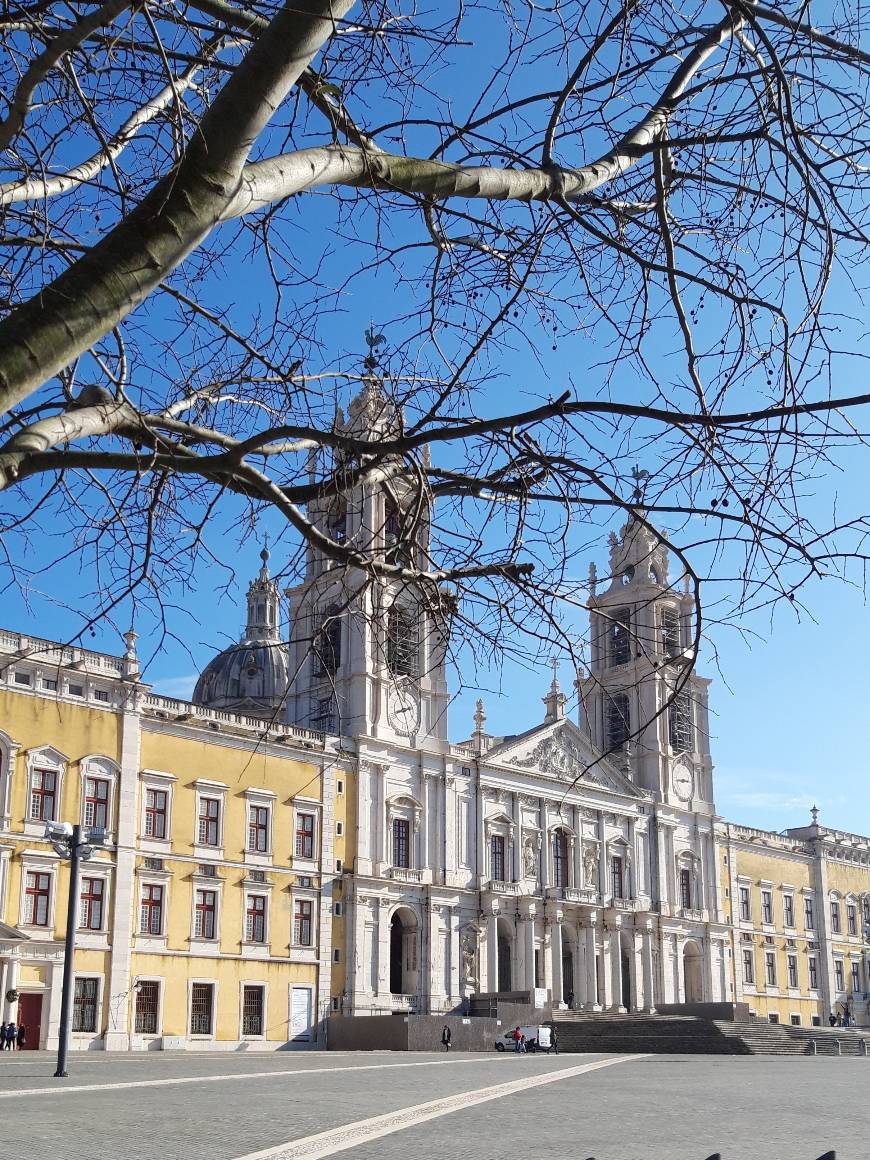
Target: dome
249 677
252 676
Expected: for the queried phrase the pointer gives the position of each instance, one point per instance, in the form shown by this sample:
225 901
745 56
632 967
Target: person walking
554 1043
11 1032
446 1037
21 1037
518 1040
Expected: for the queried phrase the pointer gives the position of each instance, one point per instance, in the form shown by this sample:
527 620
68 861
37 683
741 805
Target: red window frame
96 811
151 909
208 825
37 898
43 795
255 919
205 914
258 829
156 810
303 913
91 904
304 836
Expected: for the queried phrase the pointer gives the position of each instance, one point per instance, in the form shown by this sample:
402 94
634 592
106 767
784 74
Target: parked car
537 1039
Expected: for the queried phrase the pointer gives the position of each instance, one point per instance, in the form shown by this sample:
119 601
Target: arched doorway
505 955
403 953
693 984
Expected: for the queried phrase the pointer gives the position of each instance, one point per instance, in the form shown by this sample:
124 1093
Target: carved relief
559 755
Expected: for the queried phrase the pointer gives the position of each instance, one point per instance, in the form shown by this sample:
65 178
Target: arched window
398 548
403 641
619 637
617 721
560 858
336 521
327 648
680 732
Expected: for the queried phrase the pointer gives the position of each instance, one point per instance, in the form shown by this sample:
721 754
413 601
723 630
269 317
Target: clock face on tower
681 780
403 710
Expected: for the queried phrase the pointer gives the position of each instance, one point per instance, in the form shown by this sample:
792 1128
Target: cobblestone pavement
222 1107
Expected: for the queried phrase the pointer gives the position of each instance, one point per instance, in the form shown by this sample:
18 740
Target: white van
538 1038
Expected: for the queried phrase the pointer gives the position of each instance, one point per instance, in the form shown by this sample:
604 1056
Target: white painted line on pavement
362 1131
275 1073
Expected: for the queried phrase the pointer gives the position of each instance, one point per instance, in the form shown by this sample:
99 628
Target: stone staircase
692 1035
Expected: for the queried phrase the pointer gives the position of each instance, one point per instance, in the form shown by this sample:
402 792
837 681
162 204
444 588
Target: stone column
616 968
383 951
649 998
531 982
10 1010
606 998
556 955
581 981
638 995
455 957
592 1002
492 952
547 956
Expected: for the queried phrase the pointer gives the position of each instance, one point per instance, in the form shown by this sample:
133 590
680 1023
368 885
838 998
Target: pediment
563 751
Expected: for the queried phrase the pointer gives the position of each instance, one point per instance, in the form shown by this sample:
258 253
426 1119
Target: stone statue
529 858
590 866
469 955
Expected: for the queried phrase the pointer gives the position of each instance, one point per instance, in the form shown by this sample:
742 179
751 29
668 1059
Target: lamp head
58 831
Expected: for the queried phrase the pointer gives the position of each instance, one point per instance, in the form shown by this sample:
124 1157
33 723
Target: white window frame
744 884
156 779
306 806
789 893
215 992
810 985
264 986
37 865
214 790
103 768
839 960
161 992
263 798
199 944
44 757
82 1036
152 878
501 826
87 937
766 888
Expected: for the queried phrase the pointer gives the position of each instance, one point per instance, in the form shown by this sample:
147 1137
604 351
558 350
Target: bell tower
642 703
367 650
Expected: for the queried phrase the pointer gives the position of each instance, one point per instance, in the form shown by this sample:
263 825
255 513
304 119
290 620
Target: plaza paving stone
657 1108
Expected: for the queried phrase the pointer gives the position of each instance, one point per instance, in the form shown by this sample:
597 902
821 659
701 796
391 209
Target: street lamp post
70 842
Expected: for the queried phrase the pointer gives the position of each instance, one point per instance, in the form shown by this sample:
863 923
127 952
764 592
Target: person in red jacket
518 1040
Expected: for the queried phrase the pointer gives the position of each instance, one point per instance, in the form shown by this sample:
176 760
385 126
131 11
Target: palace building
303 838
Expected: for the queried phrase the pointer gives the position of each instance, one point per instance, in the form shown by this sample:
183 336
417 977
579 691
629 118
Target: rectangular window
252 1011
496 850
670 629
255 919
43 795
258 829
745 907
91 904
205 914
851 919
49 685
619 633
617 880
795 1020
147 1007
305 836
201 1008
792 971
403 641
773 1017
37 898
766 906
770 969
76 690
748 969
302 923
839 978
156 809
856 977
813 971
84 1013
686 889
788 910
208 830
96 812
151 909
835 917
22 678
617 720
560 858
101 694
809 919
680 732
401 842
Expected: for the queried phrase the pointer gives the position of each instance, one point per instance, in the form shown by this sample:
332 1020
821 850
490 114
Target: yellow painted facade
206 920
799 906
